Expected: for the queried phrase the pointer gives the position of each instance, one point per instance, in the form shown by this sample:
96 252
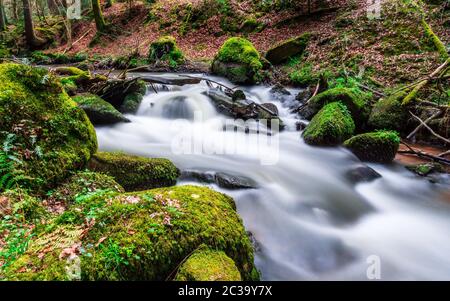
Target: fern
7 178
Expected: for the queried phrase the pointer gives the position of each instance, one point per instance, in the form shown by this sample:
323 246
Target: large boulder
99 111
208 265
165 49
388 113
331 126
133 172
289 48
238 60
380 146
45 131
135 236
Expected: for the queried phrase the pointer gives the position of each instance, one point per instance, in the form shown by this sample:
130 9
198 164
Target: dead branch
436 114
430 129
422 154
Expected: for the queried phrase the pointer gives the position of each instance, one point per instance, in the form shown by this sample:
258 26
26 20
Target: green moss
133 172
380 146
166 49
98 110
440 47
425 169
238 60
131 103
353 99
17 202
388 113
81 184
208 265
288 48
139 236
251 24
331 126
52 136
303 76
71 71
39 57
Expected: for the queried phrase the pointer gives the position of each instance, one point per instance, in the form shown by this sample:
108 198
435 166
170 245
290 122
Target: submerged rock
238 60
287 49
203 177
378 146
208 265
331 126
52 136
136 236
99 111
361 173
133 172
228 181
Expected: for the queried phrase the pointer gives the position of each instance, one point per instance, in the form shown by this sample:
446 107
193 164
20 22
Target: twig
372 90
444 154
82 37
212 81
422 154
430 129
436 114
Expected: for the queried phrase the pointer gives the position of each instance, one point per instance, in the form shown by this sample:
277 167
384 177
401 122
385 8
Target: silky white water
308 221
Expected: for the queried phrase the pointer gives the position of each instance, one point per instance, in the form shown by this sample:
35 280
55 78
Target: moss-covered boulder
131 102
208 265
380 146
238 60
354 100
80 185
165 49
331 126
44 129
99 111
136 236
388 113
288 48
133 172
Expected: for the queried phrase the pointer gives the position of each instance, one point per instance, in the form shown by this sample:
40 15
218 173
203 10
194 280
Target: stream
307 220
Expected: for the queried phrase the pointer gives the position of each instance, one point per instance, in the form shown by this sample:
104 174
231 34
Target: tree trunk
2 17
14 10
33 41
98 16
52 7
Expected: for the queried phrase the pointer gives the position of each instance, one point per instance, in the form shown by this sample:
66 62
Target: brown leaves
71 251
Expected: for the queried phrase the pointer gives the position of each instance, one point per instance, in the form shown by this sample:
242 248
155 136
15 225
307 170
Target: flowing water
308 222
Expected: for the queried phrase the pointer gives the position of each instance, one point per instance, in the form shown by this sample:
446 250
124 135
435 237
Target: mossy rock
136 236
208 265
251 25
239 61
165 49
133 172
289 48
425 169
380 146
70 71
331 126
356 102
82 184
99 111
388 113
131 103
18 201
52 137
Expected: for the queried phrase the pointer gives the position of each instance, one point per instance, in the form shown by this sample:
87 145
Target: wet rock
361 173
238 95
196 175
228 181
279 89
303 95
300 125
425 169
271 107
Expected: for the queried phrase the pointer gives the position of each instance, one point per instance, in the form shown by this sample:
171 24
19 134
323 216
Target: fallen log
430 129
423 155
